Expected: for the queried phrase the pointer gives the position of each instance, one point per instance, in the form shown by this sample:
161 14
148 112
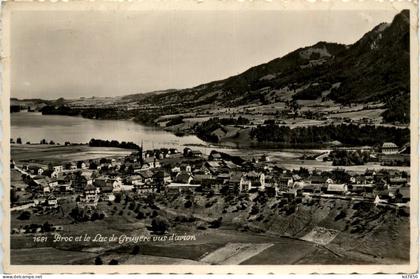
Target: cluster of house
172 171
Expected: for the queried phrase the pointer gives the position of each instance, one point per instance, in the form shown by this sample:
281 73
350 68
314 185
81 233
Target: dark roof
252 174
200 177
284 178
398 180
405 192
183 177
146 173
90 188
161 174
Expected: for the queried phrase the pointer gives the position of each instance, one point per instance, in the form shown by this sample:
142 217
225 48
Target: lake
33 127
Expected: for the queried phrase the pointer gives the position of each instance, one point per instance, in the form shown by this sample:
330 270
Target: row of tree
348 134
113 143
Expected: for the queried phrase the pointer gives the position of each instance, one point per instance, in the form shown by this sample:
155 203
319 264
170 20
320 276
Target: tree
104 161
117 198
19 141
47 227
216 223
188 204
113 262
98 261
50 166
93 165
67 165
130 169
79 214
14 197
132 205
25 215
160 225
136 250
140 215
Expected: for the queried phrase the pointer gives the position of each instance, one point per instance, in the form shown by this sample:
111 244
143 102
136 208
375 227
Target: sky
72 54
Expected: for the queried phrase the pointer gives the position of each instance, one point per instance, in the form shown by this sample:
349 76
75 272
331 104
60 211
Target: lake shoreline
237 144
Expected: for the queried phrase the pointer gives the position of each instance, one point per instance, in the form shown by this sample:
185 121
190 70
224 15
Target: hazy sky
73 54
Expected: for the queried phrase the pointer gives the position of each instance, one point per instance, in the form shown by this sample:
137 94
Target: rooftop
389 145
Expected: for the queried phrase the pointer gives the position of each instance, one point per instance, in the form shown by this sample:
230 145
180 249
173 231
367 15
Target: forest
113 143
347 134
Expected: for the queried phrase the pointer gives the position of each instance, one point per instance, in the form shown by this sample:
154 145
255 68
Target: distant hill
375 68
142 96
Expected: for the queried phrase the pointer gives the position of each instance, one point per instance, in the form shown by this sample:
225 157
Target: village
172 172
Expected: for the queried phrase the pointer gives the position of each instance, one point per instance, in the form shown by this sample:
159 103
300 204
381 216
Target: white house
116 184
252 180
53 183
389 148
57 168
339 189
381 200
52 201
89 198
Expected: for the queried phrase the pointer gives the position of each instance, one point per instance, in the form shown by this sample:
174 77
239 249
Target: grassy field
239 247
46 255
59 153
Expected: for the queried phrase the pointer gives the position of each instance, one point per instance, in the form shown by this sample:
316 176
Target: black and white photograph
201 137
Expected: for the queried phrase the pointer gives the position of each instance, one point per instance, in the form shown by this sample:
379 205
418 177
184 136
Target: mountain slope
375 68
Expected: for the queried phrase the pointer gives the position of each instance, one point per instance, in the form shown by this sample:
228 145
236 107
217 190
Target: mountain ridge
374 68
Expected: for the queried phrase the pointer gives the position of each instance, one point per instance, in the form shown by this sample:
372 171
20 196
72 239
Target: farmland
57 153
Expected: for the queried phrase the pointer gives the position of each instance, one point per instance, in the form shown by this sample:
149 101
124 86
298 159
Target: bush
79 214
188 204
132 206
210 194
175 121
136 250
209 204
201 226
113 262
340 215
259 218
25 215
254 210
117 198
216 223
95 216
140 215
185 219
